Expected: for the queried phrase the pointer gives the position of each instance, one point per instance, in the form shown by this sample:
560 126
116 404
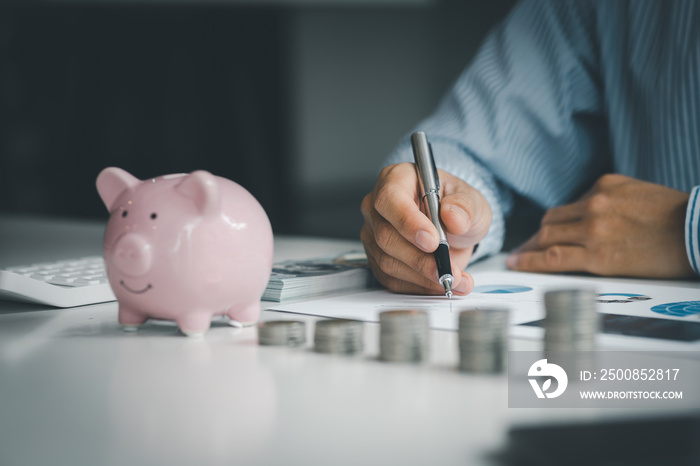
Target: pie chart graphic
681 309
501 289
607 298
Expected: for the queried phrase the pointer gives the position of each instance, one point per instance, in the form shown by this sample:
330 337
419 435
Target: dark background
298 101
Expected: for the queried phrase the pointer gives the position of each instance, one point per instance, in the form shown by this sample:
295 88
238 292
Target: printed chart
621 298
682 309
501 289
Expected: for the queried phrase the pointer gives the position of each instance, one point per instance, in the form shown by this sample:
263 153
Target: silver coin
568 301
482 316
572 321
403 317
338 336
282 333
403 336
474 323
567 333
483 340
485 362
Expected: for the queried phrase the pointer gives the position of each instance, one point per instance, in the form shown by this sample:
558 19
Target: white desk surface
76 390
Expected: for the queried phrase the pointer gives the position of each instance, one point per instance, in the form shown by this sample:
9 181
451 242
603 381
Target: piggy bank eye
153 216
125 213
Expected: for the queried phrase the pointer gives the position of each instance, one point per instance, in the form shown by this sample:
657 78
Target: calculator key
83 281
62 280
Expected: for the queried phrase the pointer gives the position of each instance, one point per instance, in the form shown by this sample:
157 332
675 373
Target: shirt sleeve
692 229
525 117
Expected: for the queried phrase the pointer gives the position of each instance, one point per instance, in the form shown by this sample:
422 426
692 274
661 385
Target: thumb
464 211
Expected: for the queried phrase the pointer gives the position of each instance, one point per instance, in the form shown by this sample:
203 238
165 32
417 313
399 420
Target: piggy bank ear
202 188
113 181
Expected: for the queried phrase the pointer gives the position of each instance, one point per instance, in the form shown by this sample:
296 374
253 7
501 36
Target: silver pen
430 188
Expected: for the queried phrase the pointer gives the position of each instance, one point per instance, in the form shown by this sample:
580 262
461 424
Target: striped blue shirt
563 92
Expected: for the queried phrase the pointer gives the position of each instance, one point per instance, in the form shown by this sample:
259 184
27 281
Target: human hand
399 238
622 227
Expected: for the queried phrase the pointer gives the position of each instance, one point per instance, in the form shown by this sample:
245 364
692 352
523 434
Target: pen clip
435 172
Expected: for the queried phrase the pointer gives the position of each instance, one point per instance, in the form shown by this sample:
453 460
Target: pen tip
446 282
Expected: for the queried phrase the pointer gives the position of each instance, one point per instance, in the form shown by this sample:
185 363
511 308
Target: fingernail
460 213
424 240
512 261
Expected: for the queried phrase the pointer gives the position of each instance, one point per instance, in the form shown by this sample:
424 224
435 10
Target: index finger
397 200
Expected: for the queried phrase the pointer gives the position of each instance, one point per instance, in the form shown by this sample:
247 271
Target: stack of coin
483 340
572 320
403 336
282 333
338 336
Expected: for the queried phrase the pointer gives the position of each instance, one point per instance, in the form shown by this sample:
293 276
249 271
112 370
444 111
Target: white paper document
521 293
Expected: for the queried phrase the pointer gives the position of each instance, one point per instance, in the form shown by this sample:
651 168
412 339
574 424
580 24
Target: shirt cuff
692 229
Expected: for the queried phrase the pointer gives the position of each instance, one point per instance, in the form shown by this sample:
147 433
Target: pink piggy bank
184 248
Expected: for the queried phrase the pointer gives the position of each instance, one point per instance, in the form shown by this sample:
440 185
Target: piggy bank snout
133 255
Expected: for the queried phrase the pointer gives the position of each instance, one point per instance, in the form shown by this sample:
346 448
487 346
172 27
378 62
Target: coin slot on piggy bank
184 247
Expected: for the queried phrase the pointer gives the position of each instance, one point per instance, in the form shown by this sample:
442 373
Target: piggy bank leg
244 316
129 319
195 323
